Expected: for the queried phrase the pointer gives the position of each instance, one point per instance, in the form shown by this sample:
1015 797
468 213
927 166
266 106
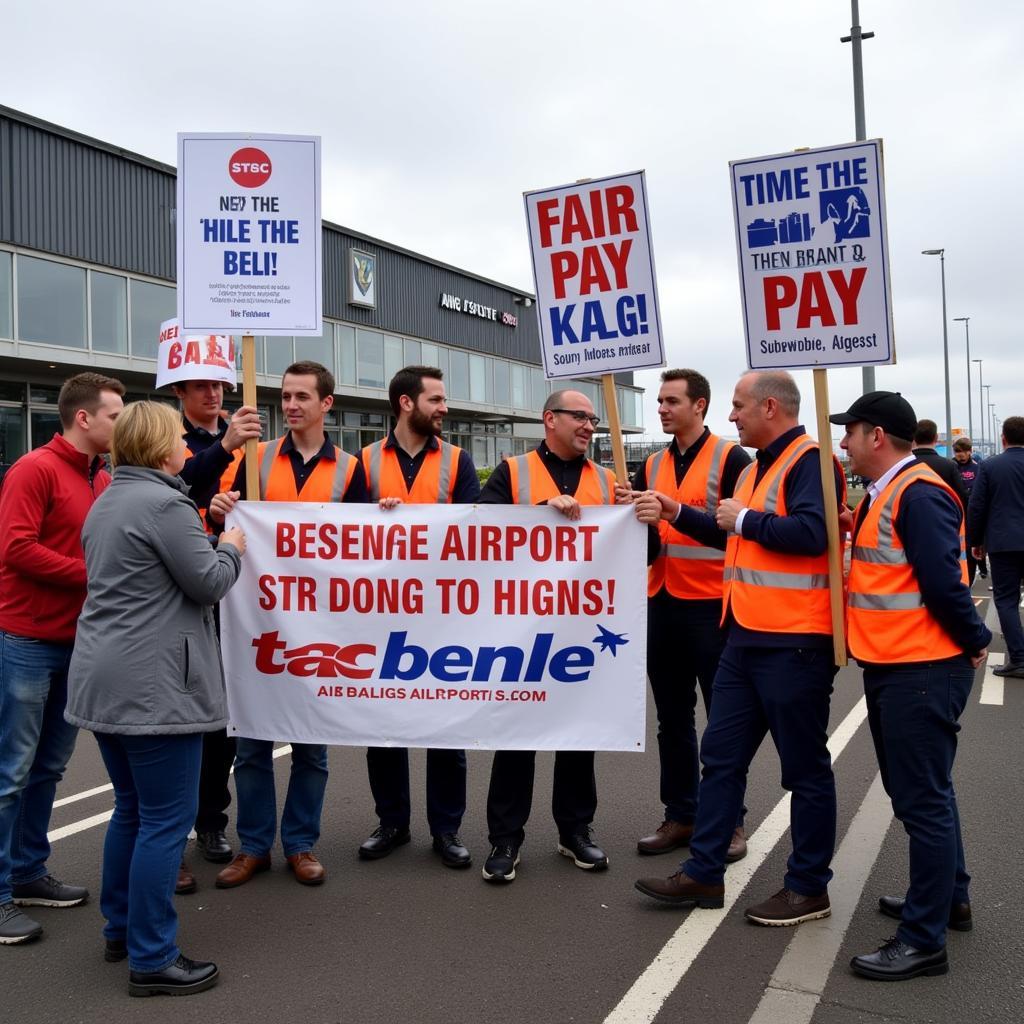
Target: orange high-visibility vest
768 591
227 478
328 481
684 567
886 617
434 483
531 482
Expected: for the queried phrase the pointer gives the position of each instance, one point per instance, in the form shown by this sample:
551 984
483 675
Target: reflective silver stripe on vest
685 551
342 462
604 478
655 468
887 602
711 494
267 463
522 496
880 556
771 498
781 580
376 450
444 451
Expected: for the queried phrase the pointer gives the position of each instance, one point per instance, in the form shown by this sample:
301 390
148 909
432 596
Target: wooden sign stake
252 470
615 428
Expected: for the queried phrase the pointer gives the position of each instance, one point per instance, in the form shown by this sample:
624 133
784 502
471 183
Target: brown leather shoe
787 908
737 846
306 868
186 882
241 869
681 890
671 835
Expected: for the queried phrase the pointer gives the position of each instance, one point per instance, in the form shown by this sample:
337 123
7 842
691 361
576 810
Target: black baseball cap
886 409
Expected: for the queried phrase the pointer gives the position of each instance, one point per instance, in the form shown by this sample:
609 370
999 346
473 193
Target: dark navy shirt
209 459
566 475
467 484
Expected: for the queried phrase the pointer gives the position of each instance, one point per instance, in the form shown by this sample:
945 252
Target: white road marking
992 618
799 979
992 685
98 819
647 995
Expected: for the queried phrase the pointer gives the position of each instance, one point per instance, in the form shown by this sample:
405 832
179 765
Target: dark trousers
684 643
510 794
974 565
214 795
388 769
1007 574
913 712
785 691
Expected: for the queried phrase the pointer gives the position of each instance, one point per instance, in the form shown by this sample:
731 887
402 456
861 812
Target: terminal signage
813 257
459 304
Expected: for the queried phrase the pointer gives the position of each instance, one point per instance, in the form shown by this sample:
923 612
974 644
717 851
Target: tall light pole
941 253
981 403
965 320
987 413
855 37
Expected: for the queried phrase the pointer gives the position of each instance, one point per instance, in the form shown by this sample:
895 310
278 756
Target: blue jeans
1007 576
913 712
257 801
156 790
35 747
785 691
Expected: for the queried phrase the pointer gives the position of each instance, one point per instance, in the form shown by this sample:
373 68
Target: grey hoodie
147 659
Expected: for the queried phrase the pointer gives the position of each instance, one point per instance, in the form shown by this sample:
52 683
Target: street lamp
941 253
986 411
965 320
981 404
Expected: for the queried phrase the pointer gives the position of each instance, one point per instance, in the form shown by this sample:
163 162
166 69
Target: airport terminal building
87 268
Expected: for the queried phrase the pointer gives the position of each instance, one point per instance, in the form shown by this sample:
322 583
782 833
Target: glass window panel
393 356
351 419
479 451
503 448
412 353
370 349
51 303
368 437
12 436
109 312
350 441
429 355
44 424
442 362
346 354
519 385
477 379
12 391
152 304
539 389
459 377
279 355
40 395
6 296
319 350
502 374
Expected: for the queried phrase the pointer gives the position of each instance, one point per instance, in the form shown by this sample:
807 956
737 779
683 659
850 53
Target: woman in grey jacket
146 678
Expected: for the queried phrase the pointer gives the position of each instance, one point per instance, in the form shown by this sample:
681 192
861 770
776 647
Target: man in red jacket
45 498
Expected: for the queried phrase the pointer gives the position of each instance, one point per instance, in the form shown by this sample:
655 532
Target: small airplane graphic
608 640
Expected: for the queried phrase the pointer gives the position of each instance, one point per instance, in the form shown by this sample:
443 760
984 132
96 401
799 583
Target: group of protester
738 607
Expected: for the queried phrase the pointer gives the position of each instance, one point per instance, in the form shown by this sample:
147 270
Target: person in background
146 678
967 467
45 498
926 437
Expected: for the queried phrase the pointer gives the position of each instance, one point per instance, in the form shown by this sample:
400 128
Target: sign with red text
249 234
593 271
194 356
461 626
813 257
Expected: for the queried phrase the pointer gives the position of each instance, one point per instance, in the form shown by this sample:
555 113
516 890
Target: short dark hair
962 444
409 381
1013 429
83 392
697 385
927 432
307 368
899 444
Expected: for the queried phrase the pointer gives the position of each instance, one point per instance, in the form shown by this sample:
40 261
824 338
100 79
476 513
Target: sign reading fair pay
249 234
813 257
593 268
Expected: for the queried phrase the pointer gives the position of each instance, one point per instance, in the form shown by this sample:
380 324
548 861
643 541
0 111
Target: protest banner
593 271
461 626
183 357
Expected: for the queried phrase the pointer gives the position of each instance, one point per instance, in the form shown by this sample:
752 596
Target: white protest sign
194 356
813 257
438 626
593 271
249 234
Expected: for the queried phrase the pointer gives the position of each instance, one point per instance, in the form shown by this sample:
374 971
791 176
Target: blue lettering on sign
630 320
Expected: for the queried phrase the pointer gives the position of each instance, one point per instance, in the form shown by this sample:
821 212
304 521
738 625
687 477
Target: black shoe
17 927
115 951
453 853
896 961
1013 669
502 863
584 851
214 846
959 914
182 978
383 840
48 892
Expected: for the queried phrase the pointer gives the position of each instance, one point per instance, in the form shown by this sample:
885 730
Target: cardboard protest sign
813 257
438 626
249 234
194 356
593 269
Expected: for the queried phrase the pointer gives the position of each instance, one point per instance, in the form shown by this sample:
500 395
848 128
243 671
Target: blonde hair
145 434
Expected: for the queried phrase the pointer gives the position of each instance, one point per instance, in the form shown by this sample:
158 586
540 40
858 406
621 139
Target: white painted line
645 998
82 796
98 819
992 618
798 981
992 685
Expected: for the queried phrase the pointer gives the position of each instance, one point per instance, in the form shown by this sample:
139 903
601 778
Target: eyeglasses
580 416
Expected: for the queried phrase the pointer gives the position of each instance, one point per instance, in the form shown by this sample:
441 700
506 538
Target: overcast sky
436 115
